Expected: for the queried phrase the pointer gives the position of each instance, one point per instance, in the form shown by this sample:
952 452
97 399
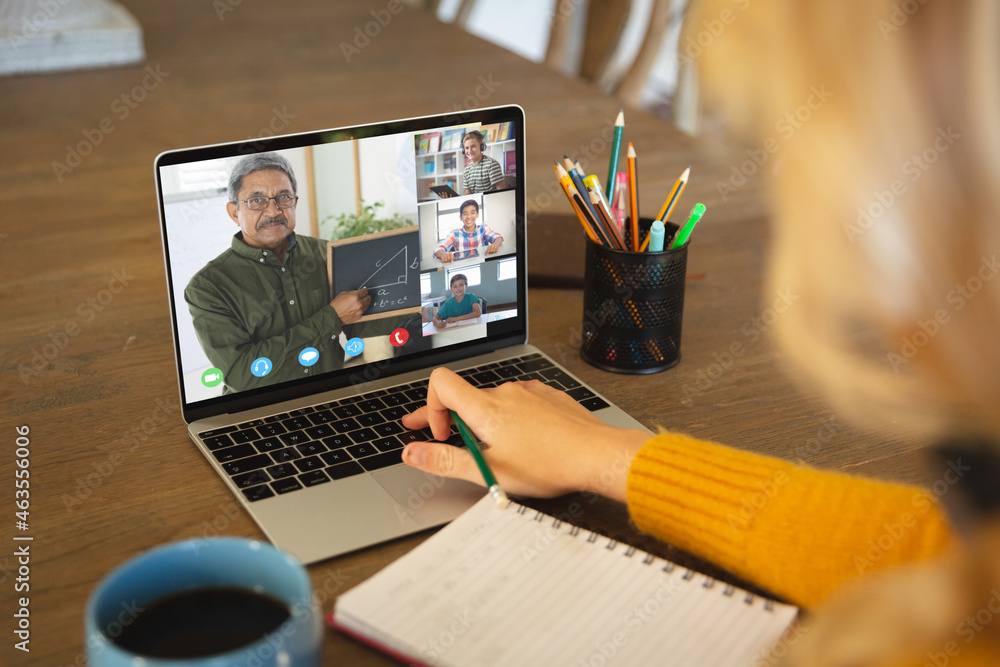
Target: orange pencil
605 215
633 198
570 190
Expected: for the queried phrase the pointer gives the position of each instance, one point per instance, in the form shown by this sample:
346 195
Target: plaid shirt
465 244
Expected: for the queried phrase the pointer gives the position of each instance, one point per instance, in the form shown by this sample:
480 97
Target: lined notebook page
518 587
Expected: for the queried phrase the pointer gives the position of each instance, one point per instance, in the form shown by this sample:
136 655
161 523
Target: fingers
443 460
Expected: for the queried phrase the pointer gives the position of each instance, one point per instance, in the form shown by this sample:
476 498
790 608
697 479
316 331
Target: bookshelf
440 159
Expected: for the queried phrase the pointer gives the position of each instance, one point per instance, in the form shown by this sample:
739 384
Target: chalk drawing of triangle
392 270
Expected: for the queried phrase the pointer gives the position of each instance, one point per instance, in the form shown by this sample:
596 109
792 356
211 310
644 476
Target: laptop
297 410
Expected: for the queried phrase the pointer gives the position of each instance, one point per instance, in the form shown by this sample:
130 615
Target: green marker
499 497
682 236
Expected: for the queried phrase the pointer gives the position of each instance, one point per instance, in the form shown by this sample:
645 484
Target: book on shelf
449 162
510 162
490 132
435 142
423 145
452 139
506 131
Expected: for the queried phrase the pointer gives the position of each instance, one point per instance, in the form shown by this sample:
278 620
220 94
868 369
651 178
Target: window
425 283
507 269
472 273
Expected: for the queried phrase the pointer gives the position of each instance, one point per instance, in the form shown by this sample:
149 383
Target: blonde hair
886 200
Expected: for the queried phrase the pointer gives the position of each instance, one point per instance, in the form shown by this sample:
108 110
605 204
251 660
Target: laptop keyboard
330 441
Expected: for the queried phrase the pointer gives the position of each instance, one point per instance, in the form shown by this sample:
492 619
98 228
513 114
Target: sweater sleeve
796 531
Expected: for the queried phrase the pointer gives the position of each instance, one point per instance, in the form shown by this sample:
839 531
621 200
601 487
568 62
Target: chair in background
482 306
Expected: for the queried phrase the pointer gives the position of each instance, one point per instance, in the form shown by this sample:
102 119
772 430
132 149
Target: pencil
575 172
633 197
616 148
499 497
576 202
605 218
674 195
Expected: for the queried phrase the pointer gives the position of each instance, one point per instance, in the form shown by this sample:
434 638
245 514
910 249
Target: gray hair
258 162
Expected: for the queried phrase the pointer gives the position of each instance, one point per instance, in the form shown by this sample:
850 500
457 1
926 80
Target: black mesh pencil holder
633 304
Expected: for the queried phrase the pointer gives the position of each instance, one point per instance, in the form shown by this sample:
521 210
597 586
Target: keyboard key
309 463
247 464
256 493
407 437
321 431
484 377
233 453
370 419
284 455
313 478
381 460
322 417
245 436
311 448
325 406
534 363
337 441
268 444
251 478
507 372
216 431
595 403
266 430
388 444
372 405
344 470
274 418
286 485
296 438
296 423
397 398
345 411
416 394
366 449
344 425
299 413
559 376
388 428
395 412
218 441
580 394
362 435
252 423
282 470
336 456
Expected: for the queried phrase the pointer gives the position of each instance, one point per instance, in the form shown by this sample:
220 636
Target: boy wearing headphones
484 174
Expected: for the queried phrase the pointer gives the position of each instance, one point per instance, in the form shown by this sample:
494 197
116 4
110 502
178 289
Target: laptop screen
316 261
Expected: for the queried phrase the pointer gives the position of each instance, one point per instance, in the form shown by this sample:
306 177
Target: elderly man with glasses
267 296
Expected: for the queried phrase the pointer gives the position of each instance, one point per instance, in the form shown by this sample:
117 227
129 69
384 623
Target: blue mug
222 563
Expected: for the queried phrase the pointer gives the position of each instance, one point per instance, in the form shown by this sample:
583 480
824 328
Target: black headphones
482 143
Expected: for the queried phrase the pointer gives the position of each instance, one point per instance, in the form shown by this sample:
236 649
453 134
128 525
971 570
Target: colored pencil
576 201
633 197
616 148
674 195
604 217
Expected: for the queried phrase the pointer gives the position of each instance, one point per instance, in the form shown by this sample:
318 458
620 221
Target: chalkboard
387 263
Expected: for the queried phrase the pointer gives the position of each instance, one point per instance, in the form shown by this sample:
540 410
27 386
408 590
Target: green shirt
247 304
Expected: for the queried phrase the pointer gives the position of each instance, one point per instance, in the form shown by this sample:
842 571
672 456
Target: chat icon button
308 356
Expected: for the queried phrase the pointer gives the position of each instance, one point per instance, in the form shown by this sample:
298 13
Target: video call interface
425 221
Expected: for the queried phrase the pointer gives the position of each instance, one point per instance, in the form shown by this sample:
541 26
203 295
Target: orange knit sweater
793 530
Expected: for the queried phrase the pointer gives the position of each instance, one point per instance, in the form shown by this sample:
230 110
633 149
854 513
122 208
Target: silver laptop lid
268 242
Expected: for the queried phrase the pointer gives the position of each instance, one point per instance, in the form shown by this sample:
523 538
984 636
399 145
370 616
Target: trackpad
428 499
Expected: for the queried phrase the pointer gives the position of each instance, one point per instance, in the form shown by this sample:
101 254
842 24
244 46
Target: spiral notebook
519 587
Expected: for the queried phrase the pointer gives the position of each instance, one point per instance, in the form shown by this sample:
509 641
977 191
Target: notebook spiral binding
647 558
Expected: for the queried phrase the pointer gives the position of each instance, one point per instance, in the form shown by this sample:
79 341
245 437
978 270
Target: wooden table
87 359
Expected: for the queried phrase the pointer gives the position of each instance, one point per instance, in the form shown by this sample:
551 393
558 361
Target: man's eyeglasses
261 203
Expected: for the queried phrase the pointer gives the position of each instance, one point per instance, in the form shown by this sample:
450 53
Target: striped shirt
482 177
465 244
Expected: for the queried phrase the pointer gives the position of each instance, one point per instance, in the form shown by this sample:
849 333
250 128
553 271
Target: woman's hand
538 440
